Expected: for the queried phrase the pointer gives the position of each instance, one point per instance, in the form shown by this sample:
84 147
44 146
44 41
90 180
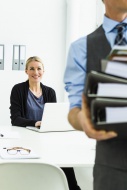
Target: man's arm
80 119
73 118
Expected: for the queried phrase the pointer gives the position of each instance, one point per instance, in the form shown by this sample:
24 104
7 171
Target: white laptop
54 118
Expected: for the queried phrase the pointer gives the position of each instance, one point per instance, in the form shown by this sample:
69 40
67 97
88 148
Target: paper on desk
9 135
5 155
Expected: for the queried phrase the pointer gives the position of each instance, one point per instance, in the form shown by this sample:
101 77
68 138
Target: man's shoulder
96 32
79 41
82 39
78 45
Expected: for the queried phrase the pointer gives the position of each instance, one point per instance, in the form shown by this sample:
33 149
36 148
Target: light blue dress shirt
75 72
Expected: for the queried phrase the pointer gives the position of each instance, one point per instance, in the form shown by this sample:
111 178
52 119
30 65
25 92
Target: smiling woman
28 98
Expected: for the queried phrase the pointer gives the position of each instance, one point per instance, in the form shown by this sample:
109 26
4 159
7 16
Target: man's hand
87 126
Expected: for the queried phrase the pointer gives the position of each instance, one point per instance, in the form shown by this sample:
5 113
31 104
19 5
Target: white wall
46 27
83 17
41 26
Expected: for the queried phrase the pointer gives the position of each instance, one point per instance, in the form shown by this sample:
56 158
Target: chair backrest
31 176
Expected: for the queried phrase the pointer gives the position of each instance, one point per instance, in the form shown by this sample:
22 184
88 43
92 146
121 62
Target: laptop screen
55 117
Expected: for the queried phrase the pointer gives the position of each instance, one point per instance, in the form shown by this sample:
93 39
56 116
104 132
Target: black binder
92 80
98 115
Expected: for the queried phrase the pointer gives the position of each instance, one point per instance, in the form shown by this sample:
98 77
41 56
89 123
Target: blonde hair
34 58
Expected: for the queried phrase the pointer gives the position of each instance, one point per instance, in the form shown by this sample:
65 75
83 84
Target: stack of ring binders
106 92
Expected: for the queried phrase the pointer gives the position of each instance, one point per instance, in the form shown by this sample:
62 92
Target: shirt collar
109 24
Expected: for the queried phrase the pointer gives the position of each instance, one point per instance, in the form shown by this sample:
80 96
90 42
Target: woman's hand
38 124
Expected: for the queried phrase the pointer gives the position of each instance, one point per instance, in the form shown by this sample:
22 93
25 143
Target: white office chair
31 176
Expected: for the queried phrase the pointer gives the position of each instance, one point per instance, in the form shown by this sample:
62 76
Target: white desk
65 149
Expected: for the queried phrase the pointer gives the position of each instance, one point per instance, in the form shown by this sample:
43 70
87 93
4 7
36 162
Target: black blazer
18 101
